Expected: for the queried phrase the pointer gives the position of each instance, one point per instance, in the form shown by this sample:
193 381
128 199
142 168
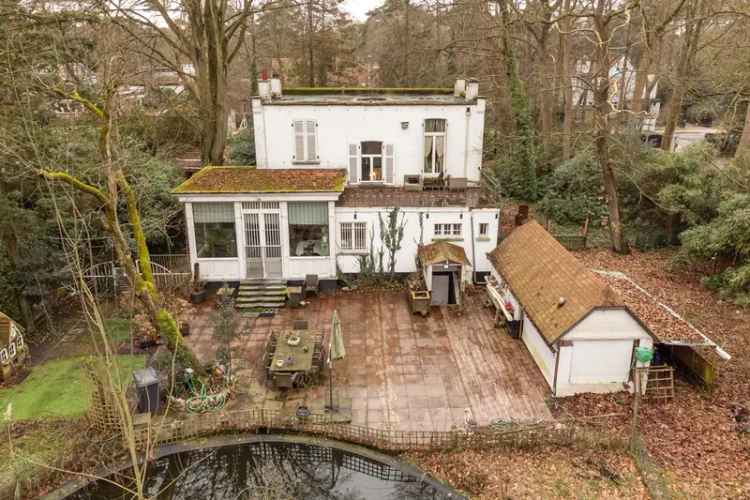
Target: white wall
406 257
599 358
339 126
543 355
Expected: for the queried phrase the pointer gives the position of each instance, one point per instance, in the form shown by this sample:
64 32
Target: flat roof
248 179
392 196
365 96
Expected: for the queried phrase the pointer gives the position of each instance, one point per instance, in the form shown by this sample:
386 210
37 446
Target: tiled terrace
402 371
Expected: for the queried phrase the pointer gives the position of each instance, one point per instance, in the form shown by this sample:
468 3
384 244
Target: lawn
58 389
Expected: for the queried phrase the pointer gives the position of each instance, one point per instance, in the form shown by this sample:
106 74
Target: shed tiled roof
540 272
5 323
216 180
442 251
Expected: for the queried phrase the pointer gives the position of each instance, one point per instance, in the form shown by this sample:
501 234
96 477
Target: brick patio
402 371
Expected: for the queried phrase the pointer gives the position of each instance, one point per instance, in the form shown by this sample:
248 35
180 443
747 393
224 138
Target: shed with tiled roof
576 327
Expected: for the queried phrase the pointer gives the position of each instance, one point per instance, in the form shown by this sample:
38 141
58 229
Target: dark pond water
278 470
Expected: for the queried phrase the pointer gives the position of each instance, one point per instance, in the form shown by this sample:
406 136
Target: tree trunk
602 127
641 80
674 109
567 89
744 144
310 46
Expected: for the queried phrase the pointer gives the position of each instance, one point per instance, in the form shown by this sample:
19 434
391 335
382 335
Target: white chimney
264 89
459 88
472 89
275 86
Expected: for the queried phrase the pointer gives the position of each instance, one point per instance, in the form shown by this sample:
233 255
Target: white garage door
600 361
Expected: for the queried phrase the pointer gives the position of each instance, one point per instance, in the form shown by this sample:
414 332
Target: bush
242 147
574 191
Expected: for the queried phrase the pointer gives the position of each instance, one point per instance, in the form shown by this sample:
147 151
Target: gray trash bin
147 387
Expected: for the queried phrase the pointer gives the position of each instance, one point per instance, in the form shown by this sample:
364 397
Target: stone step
260 281
251 288
261 293
243 300
259 305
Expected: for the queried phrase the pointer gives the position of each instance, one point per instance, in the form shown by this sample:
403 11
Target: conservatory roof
218 180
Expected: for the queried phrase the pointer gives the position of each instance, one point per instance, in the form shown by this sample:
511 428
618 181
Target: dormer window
434 145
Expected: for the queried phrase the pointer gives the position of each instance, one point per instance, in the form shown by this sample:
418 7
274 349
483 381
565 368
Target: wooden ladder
659 382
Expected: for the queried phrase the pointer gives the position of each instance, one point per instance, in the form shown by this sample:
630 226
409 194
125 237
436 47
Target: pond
274 468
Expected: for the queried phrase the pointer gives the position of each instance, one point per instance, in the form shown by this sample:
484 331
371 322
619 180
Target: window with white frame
371 161
213 224
434 145
447 230
353 235
483 228
305 141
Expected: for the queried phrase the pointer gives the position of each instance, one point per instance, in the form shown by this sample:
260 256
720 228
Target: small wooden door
440 289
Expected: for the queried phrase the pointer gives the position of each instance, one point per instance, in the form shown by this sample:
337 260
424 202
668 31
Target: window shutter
353 163
299 141
389 163
312 150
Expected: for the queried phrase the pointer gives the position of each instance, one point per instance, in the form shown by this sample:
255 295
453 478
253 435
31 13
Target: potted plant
199 293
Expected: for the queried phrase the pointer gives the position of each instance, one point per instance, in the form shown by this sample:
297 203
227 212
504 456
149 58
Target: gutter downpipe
557 365
466 143
473 250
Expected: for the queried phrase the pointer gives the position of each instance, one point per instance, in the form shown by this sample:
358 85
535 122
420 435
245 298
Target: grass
118 330
58 389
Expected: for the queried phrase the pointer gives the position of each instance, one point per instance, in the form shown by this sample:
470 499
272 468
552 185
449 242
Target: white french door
262 245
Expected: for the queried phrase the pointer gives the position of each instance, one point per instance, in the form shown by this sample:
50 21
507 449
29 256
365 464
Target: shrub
574 191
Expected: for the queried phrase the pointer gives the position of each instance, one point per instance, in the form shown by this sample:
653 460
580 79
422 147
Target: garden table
293 358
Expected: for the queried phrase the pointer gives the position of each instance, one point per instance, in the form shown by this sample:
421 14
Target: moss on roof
252 180
367 90
442 251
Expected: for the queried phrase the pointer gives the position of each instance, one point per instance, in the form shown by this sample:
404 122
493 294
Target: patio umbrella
336 350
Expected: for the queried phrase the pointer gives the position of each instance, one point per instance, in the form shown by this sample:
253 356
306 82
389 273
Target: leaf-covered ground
693 436
541 472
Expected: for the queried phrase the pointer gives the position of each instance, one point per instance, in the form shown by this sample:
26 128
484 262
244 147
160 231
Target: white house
332 166
579 331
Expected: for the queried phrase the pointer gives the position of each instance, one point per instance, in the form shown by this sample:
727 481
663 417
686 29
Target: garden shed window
214 230
308 229
434 145
305 141
483 227
354 236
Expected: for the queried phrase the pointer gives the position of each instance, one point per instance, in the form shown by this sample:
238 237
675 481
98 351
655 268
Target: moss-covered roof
440 252
253 180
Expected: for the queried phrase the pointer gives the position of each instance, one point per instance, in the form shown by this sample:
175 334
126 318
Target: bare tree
198 40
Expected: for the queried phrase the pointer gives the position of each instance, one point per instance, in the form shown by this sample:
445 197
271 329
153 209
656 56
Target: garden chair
312 285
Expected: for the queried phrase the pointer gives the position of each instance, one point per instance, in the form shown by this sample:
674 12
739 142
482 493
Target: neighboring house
579 331
332 165
13 351
621 73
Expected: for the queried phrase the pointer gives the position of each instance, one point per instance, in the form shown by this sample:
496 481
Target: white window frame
4 358
353 236
431 137
309 129
448 229
484 229
371 158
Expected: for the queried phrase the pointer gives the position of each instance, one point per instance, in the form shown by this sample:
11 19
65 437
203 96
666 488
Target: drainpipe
473 250
466 143
557 366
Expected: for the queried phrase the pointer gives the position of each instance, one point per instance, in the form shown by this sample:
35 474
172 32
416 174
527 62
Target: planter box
419 301
198 297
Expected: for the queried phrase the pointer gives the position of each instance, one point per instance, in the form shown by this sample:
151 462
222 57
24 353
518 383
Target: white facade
340 130
471 222
596 355
377 140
